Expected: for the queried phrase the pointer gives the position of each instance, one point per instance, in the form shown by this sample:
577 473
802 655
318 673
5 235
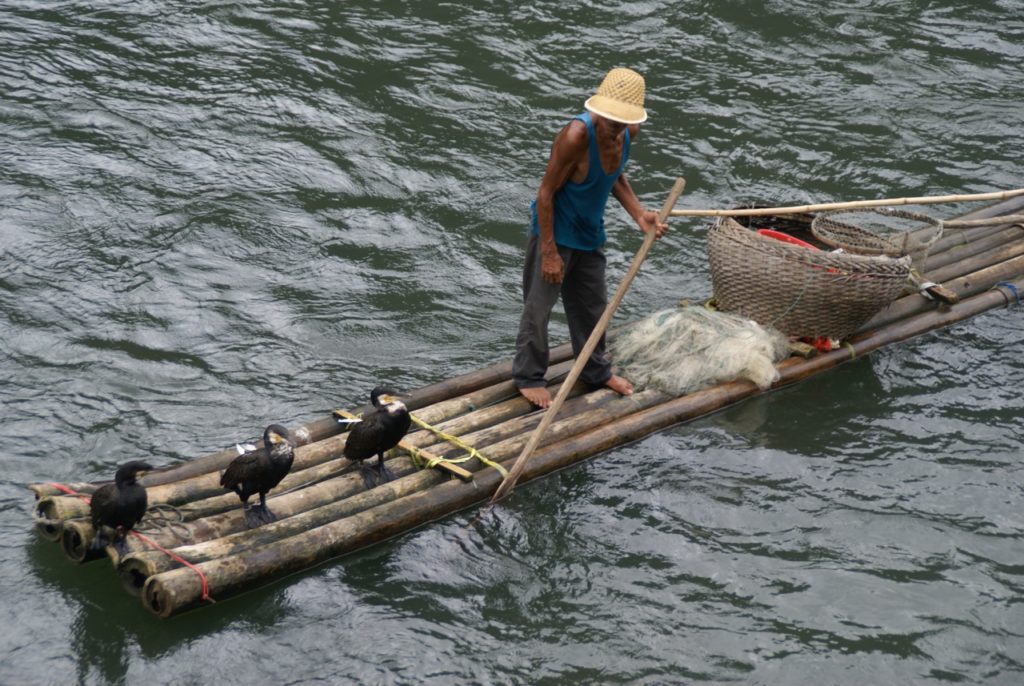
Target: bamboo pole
970 223
855 204
964 287
588 348
978 246
171 592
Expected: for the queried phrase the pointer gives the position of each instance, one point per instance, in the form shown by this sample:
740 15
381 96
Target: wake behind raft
195 543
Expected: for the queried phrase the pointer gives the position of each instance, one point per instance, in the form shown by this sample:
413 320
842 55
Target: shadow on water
810 413
109 625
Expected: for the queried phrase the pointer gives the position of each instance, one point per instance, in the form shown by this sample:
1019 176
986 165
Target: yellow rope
459 443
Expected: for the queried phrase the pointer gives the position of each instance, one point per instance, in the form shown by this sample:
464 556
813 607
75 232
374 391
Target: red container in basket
785 238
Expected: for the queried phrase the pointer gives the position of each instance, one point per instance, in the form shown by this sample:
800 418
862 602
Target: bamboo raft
476 426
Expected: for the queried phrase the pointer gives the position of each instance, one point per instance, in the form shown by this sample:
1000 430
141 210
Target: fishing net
683 350
879 231
799 290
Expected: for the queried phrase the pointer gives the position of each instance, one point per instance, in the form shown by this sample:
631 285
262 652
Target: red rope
69 491
177 558
149 541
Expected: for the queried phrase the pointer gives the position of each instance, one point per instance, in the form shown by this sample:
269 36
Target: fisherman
564 249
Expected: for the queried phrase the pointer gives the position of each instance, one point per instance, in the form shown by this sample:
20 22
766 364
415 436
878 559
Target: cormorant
260 471
119 505
376 433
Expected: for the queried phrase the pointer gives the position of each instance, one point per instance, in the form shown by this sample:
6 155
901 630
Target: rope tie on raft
205 596
150 542
458 443
1010 287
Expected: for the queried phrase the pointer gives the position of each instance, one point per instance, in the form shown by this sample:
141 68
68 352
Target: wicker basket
798 290
879 231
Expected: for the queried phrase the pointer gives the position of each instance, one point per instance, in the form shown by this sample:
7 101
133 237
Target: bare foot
538 396
620 385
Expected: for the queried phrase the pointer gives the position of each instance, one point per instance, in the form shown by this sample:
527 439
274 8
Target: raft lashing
194 547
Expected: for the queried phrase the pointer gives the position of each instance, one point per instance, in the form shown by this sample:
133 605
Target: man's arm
646 219
568 150
623 192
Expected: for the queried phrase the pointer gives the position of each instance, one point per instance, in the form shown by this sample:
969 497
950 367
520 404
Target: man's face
613 126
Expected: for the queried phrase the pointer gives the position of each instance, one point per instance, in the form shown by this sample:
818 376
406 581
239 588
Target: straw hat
620 97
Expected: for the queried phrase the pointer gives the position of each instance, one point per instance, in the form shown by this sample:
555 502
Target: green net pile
683 350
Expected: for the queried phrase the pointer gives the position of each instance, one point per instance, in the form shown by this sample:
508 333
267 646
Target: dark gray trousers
584 297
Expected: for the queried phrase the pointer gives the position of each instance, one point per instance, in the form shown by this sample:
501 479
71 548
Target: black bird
119 505
260 471
376 433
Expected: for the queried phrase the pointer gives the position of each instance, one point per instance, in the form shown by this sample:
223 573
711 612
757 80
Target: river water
215 216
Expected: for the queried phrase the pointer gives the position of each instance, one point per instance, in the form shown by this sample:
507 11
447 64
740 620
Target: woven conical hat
620 97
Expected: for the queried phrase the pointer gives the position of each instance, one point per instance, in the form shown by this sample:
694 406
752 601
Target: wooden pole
856 204
510 481
990 221
964 287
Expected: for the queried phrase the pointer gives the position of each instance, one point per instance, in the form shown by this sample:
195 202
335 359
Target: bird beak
276 439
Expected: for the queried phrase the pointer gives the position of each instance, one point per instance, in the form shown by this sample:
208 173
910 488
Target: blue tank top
579 207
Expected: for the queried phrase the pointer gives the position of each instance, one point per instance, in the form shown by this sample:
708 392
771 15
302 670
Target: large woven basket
798 290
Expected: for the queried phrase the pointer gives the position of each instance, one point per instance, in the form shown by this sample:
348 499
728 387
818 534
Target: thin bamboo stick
823 207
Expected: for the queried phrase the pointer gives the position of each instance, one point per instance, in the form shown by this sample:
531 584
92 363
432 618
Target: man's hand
551 266
649 220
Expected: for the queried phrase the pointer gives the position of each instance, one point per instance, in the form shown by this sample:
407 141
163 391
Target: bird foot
371 478
99 542
121 546
253 517
386 475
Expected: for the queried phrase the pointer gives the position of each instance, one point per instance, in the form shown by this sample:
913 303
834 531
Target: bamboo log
205 507
964 287
504 390
52 511
138 566
991 221
171 592
76 541
979 245
324 493
206 485
855 204
1003 253
43 490
200 497
598 411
